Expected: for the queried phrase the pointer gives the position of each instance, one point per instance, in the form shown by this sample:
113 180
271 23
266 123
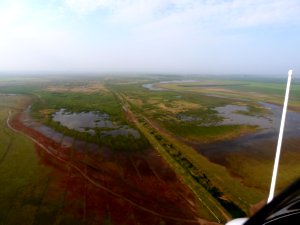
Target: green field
22 177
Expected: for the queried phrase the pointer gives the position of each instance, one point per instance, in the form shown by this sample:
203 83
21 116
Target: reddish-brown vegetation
96 185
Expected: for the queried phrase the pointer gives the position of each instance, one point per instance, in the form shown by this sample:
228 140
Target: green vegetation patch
22 175
46 103
255 168
208 133
76 102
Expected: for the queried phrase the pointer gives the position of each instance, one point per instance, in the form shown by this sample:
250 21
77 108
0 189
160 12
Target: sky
150 36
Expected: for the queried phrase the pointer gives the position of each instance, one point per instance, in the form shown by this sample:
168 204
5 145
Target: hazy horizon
177 37
172 76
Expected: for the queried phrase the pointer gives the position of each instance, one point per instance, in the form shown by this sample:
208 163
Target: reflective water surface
269 122
81 121
88 121
263 141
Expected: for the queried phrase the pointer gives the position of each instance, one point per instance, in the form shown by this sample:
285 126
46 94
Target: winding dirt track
90 180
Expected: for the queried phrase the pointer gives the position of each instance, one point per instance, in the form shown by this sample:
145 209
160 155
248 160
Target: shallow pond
269 122
231 116
83 120
88 121
264 140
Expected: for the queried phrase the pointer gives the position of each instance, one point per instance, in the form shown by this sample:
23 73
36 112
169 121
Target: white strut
286 99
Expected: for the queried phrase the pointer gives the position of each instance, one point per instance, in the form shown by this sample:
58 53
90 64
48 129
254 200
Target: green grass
19 169
207 134
241 194
256 168
25 179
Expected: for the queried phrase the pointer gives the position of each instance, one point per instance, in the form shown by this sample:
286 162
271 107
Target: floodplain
142 150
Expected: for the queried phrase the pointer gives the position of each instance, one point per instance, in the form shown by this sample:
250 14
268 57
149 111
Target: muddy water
264 141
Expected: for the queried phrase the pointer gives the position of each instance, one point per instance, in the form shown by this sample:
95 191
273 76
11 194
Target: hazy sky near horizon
150 36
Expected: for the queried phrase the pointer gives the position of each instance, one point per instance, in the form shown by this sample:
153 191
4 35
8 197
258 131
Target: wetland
148 148
87 121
